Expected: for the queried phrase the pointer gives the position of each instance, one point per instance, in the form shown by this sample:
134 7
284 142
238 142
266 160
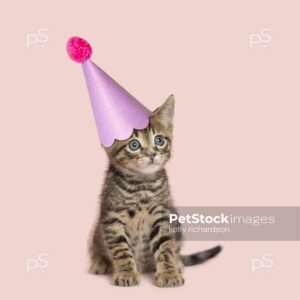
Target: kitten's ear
165 113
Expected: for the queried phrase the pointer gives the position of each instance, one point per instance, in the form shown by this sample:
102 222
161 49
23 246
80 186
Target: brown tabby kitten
132 234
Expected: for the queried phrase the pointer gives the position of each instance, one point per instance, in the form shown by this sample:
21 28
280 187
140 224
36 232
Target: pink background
236 135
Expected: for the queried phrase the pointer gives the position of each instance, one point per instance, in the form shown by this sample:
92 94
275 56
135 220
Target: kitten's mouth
153 162
150 168
149 165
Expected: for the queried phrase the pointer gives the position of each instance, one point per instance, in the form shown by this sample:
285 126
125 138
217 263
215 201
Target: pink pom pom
78 49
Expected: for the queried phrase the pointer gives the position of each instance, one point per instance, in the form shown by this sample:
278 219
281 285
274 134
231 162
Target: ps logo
265 262
40 38
41 262
263 37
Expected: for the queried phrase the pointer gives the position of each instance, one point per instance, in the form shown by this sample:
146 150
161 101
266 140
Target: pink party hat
116 112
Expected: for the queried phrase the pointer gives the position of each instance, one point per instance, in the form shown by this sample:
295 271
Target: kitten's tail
200 257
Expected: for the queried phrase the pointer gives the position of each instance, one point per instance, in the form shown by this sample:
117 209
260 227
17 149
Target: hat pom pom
79 49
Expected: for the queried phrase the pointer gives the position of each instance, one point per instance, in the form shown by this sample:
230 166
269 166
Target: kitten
132 233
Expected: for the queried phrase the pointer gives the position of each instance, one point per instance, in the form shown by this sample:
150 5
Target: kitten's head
148 150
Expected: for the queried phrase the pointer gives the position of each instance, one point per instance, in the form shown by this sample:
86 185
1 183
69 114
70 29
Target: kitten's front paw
169 279
126 279
100 266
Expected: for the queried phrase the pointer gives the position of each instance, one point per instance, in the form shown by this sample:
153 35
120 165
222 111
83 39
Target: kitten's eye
134 145
159 140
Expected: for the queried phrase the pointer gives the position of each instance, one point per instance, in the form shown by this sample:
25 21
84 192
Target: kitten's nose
152 156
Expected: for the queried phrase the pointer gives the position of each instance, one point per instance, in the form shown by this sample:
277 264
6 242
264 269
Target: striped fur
132 233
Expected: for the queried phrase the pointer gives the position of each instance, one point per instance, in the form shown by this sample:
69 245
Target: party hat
117 113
